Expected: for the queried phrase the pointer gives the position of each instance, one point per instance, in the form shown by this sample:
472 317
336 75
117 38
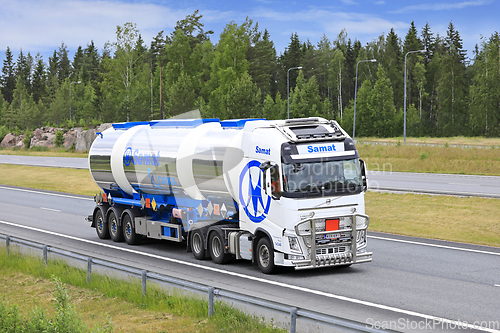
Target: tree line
243 76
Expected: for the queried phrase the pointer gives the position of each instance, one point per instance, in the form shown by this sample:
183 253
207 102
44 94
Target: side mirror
362 164
265 165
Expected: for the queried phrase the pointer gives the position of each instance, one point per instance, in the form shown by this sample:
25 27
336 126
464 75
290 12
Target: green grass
460 219
457 140
43 151
429 159
27 284
65 180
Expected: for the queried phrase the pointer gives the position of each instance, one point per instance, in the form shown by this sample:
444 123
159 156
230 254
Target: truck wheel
115 230
198 245
129 231
100 226
216 243
265 256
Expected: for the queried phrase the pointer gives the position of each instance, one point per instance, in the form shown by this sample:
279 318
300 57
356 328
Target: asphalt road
467 185
412 283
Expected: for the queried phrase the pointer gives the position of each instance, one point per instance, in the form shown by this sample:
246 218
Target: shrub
59 141
27 139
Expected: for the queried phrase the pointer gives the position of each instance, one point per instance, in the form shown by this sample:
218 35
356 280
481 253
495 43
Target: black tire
198 244
101 226
216 248
115 230
129 230
265 256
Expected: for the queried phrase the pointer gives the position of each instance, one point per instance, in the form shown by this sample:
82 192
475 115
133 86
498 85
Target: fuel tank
191 158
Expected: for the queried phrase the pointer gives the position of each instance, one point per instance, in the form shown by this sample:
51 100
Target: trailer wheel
100 225
216 243
265 256
129 231
115 230
198 245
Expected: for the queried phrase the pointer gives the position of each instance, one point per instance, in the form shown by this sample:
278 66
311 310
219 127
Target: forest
243 76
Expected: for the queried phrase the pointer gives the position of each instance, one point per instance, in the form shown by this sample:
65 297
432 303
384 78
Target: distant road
57 162
466 185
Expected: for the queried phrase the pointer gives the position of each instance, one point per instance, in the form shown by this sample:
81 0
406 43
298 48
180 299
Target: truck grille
340 249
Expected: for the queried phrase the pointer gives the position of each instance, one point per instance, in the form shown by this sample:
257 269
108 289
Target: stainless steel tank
188 157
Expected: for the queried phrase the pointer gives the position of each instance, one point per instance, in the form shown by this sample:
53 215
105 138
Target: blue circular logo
127 156
252 195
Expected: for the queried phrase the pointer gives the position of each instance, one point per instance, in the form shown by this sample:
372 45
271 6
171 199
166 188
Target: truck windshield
322 178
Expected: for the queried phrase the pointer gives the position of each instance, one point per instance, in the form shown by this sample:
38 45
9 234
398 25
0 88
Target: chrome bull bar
333 259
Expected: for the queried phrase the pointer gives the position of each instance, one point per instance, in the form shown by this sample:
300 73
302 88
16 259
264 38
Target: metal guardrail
212 292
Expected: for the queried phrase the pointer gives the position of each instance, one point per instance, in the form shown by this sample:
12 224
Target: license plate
332 236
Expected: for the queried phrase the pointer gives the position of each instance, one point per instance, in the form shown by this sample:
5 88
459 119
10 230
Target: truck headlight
293 242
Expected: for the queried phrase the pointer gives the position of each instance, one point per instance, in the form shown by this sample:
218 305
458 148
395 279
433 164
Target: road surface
411 282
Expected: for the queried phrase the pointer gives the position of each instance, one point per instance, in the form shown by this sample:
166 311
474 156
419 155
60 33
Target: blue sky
42 25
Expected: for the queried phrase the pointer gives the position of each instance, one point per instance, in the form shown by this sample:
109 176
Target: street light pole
288 91
404 134
70 97
355 93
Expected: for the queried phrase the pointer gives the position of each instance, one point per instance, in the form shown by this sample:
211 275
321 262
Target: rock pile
45 137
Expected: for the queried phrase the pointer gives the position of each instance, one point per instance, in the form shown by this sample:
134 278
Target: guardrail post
89 269
144 276
211 301
293 320
7 244
45 250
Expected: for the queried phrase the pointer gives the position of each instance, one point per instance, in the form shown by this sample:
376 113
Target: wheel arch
133 212
260 233
104 211
118 213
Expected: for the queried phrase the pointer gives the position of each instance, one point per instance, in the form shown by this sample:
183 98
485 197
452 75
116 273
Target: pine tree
63 65
39 79
23 70
484 93
382 111
8 78
393 64
452 88
78 65
261 57
292 57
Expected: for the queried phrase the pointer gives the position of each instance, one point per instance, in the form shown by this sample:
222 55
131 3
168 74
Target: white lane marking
497 285
434 245
52 210
275 283
45 193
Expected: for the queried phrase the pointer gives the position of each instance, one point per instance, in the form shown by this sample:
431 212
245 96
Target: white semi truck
278 193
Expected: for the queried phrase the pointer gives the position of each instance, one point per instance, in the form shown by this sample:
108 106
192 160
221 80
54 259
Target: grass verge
454 160
66 180
112 304
460 219
43 151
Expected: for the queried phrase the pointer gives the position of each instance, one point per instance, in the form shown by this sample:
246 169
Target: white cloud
441 6
43 25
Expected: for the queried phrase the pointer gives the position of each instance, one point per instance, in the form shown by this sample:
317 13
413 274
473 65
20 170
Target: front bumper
346 252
